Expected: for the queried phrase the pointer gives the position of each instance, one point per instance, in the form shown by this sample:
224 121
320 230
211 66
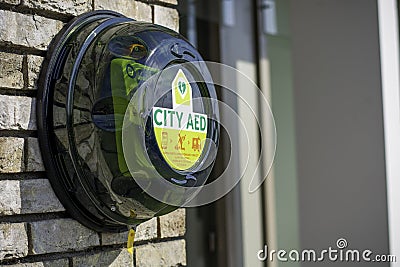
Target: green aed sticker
180 132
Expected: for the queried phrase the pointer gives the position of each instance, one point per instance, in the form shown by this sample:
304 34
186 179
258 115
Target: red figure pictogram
164 140
180 142
196 144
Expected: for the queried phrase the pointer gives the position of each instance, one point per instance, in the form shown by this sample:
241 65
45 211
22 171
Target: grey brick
137 10
13 240
143 12
11 75
17 112
114 238
172 253
11 154
69 7
34 155
173 224
36 32
167 17
12 2
10 197
34 66
61 235
145 231
38 197
111 258
27 196
54 263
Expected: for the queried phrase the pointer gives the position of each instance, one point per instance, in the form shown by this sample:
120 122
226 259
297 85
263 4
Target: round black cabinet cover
122 101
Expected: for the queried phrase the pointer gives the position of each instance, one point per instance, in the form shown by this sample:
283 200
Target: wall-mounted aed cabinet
122 101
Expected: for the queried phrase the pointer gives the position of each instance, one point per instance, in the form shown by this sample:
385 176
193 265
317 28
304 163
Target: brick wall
35 230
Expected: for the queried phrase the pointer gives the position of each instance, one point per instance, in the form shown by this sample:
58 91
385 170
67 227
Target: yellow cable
131 240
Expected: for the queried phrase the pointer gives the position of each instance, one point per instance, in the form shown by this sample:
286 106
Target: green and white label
180 132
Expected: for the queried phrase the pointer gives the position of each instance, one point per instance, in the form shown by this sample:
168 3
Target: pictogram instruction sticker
180 132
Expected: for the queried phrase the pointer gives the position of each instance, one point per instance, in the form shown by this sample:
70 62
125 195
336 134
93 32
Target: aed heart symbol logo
182 88
182 93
